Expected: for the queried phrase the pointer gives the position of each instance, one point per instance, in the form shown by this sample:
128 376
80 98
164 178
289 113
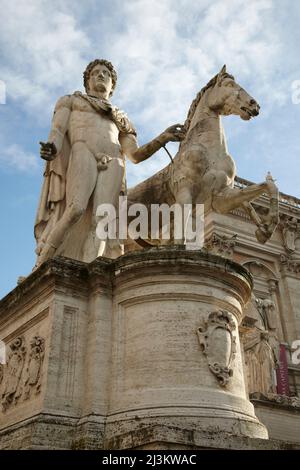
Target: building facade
145 351
270 331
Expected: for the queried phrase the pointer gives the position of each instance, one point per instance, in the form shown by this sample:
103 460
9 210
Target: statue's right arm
58 130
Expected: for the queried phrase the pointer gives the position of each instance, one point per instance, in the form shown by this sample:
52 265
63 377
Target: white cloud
2 92
164 51
170 51
42 48
16 158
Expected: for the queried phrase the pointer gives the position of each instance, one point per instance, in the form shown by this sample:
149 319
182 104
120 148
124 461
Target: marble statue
85 156
261 346
261 350
203 172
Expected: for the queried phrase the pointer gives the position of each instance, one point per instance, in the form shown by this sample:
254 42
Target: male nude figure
99 136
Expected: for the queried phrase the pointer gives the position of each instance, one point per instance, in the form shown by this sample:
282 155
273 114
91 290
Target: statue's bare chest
83 115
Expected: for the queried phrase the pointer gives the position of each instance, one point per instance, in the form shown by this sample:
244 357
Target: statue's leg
232 198
81 180
107 191
49 227
183 197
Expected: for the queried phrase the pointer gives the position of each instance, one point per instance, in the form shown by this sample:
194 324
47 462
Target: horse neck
206 129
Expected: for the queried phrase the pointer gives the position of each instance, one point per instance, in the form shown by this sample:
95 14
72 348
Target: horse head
228 97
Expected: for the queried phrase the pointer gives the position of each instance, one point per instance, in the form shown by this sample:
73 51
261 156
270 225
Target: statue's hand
48 151
174 133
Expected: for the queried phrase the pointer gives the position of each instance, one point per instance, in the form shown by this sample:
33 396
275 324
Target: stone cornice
65 270
289 205
163 260
291 403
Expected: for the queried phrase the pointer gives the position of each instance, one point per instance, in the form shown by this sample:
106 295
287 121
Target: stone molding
274 399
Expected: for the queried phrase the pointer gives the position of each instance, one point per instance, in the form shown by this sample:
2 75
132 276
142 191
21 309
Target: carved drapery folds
218 344
266 308
21 375
260 330
261 359
290 229
261 345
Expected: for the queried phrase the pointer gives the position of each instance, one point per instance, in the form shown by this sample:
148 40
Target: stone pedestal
100 355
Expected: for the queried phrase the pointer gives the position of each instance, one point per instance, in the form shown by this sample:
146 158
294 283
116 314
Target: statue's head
228 97
224 96
91 66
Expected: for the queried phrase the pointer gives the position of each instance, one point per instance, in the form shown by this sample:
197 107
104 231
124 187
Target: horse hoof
261 236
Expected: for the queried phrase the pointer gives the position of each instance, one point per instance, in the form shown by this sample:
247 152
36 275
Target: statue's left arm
138 154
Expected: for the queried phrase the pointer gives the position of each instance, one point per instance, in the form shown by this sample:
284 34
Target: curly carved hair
91 65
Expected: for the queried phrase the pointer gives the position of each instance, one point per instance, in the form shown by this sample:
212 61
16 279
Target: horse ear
220 75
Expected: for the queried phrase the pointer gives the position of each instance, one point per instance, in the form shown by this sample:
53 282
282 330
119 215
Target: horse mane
199 95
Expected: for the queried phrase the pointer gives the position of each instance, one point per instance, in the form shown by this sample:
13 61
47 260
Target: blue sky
164 52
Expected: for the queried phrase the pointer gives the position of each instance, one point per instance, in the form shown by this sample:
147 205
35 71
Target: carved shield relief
218 344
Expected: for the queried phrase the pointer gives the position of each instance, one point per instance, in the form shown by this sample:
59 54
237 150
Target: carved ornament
218 344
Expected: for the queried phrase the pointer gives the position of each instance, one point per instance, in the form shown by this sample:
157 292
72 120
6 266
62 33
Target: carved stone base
48 431
55 432
159 437
115 348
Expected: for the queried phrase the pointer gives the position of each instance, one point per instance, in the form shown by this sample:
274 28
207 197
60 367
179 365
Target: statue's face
229 97
100 80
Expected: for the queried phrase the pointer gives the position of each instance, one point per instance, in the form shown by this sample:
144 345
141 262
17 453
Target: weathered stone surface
274 316
280 414
171 438
121 350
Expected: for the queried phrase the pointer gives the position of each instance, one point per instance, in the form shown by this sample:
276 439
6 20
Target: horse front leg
262 233
269 221
232 198
184 198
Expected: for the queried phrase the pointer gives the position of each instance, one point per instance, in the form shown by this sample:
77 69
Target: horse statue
202 171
